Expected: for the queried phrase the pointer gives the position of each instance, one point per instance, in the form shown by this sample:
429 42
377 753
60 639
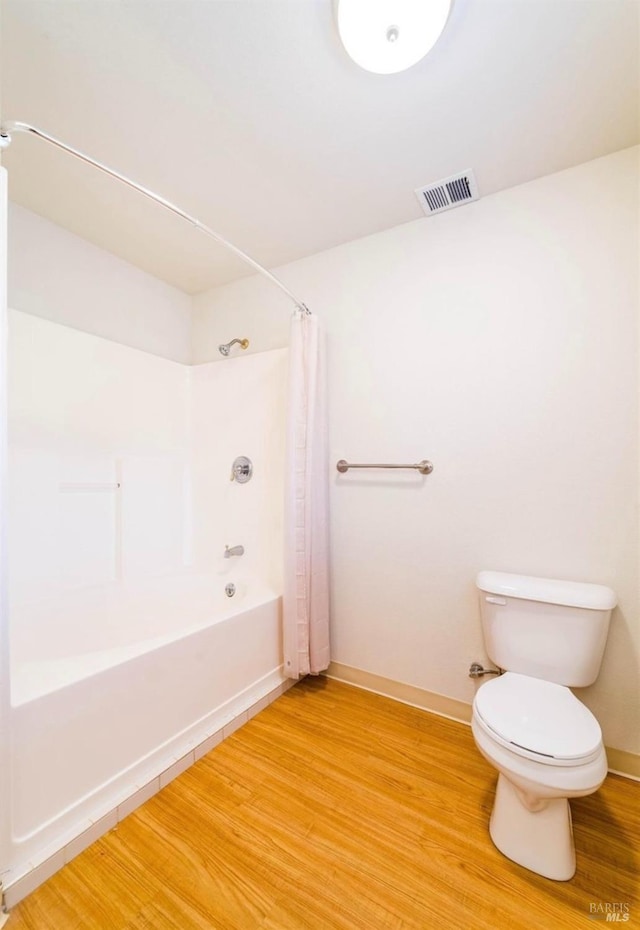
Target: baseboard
407 694
623 763
620 761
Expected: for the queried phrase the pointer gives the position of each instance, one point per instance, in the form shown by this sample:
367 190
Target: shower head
226 347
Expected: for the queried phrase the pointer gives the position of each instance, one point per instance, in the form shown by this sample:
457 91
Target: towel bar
424 467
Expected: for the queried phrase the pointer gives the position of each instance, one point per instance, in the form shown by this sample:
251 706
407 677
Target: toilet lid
539 717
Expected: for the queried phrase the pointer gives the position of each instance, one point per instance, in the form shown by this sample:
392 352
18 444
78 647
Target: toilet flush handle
490 599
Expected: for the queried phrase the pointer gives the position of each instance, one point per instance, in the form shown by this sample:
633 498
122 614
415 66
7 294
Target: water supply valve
476 670
242 469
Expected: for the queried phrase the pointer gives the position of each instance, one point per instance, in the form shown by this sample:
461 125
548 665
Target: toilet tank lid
548 590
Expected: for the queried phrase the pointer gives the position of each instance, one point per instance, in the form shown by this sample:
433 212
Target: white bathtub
113 684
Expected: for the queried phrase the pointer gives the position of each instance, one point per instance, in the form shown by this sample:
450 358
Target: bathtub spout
234 550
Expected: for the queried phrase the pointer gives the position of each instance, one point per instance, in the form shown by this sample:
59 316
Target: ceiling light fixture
386 36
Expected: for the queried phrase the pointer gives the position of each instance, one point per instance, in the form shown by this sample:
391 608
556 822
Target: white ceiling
248 114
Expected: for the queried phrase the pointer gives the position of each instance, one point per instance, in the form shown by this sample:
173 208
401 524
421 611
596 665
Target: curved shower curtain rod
5 139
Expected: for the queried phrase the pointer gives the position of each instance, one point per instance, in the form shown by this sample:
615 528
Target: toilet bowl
547 748
546 636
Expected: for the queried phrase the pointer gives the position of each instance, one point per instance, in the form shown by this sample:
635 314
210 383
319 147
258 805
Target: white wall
498 340
59 276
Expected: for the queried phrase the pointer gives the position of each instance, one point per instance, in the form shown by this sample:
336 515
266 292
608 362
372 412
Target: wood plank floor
336 809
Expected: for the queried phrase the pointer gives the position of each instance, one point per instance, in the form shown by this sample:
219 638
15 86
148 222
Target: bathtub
112 686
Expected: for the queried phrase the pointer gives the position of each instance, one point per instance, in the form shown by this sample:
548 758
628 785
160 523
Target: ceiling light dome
386 36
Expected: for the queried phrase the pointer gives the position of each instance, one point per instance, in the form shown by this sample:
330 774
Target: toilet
546 636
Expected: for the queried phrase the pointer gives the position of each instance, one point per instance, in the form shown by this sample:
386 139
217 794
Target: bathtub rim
22 689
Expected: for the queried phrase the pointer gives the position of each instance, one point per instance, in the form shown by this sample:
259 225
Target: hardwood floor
337 809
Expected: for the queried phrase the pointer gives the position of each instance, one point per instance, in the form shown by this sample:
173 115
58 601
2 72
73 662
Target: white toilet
547 746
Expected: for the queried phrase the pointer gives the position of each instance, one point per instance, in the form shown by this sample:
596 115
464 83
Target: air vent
448 193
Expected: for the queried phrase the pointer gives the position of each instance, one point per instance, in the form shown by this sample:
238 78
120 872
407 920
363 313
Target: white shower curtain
306 570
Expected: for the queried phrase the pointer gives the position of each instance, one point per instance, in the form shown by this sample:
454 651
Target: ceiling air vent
448 193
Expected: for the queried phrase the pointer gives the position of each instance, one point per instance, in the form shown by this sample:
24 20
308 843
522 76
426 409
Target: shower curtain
306 570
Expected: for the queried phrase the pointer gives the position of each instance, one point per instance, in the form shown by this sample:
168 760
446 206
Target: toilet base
541 841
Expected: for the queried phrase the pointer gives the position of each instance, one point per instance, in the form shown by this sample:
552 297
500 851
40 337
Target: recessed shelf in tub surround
68 487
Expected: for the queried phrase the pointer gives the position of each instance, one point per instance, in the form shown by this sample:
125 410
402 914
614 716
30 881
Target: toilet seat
538 719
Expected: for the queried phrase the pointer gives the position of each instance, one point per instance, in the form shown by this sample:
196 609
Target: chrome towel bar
424 467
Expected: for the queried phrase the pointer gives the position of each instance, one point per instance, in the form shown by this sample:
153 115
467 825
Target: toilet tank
554 630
